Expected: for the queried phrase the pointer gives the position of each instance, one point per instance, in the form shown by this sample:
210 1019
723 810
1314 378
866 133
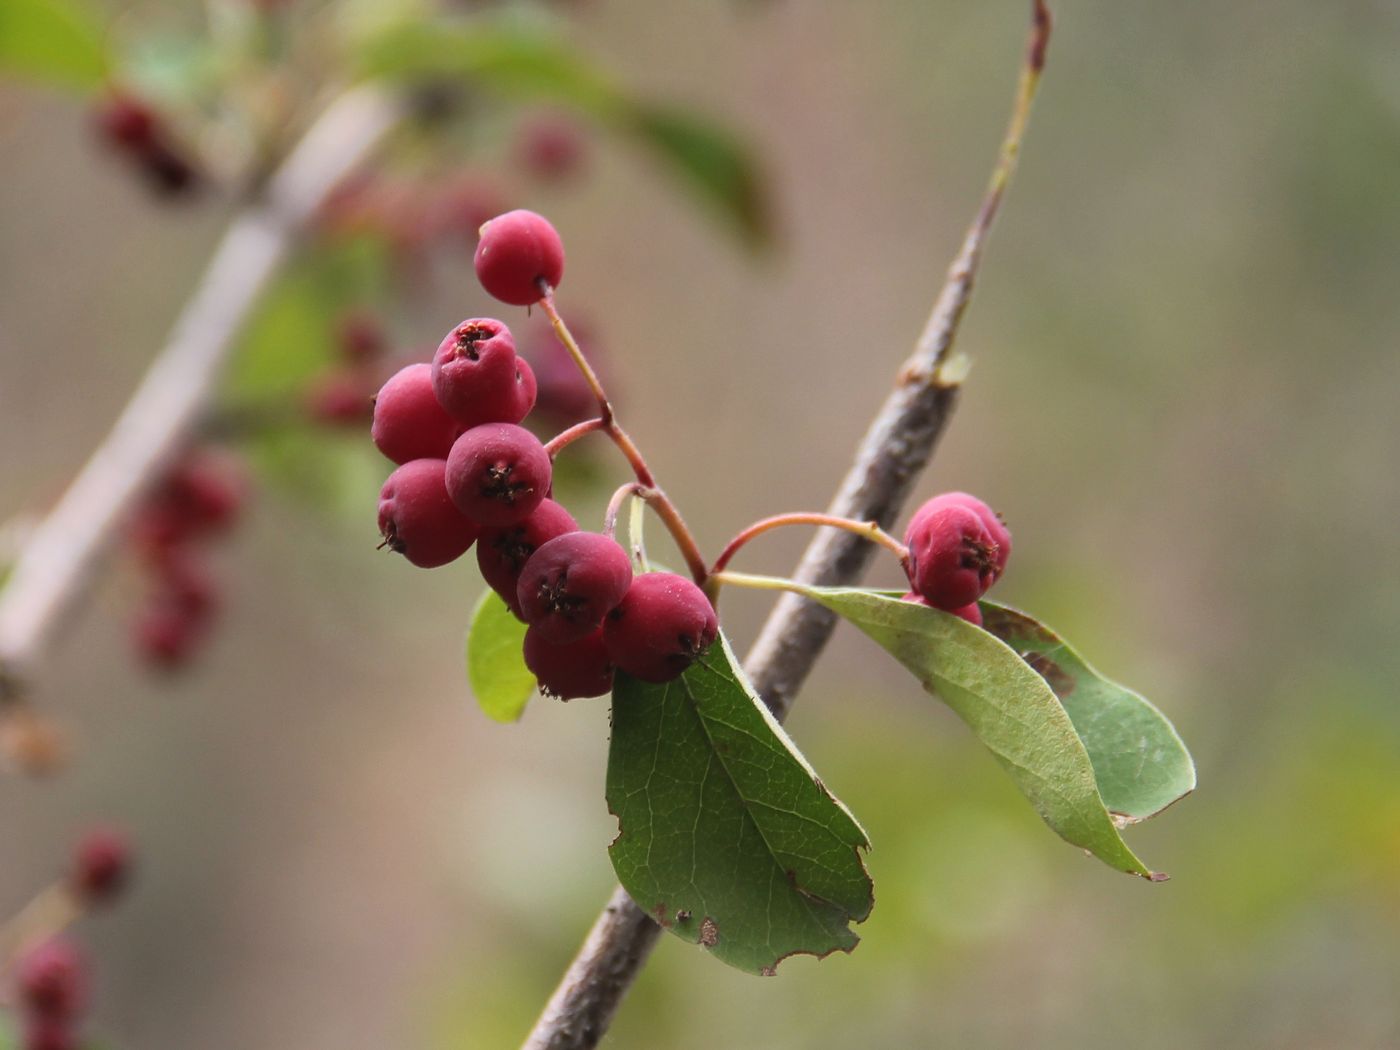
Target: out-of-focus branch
892 454
58 559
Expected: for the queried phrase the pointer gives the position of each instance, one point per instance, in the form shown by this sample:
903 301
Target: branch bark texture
896 448
58 560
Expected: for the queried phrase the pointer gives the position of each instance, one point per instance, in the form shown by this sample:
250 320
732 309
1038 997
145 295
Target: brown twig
59 558
892 454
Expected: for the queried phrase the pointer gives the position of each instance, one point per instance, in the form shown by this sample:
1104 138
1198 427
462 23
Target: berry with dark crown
571 583
952 555
498 473
419 520
662 624
475 374
502 553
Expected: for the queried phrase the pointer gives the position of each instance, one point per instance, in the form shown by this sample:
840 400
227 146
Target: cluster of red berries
469 473
199 498
136 133
958 547
52 978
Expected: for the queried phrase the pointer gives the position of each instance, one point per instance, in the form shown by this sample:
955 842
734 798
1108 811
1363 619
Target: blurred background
1183 400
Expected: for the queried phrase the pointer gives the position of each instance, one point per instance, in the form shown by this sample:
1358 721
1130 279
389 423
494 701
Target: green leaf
495 668
59 41
1007 705
513 58
523 60
713 162
725 834
1140 763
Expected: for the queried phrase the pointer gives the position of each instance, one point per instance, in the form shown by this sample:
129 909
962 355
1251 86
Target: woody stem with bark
890 457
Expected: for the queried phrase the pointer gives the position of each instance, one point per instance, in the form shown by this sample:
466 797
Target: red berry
550 146
971 613
572 670
989 517
419 520
518 252
340 399
463 206
952 555
409 423
498 473
502 553
526 388
126 122
360 337
50 1033
52 980
661 625
203 493
174 623
101 864
571 583
475 376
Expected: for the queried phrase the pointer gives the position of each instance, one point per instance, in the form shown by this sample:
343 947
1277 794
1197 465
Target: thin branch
59 558
892 454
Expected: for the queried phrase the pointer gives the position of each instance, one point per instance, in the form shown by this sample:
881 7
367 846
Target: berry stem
565 438
632 488
655 496
870 530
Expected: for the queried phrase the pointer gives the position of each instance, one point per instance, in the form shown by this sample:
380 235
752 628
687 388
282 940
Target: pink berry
126 122
360 337
50 1033
170 630
52 980
101 864
990 518
570 670
551 146
526 388
498 473
502 553
661 625
971 613
419 520
409 423
340 399
519 253
475 376
952 556
571 583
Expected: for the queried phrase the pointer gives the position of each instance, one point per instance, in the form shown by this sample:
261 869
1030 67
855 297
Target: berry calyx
409 422
498 473
52 980
501 554
952 556
475 375
571 583
418 518
101 865
570 670
990 518
518 256
662 624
